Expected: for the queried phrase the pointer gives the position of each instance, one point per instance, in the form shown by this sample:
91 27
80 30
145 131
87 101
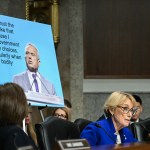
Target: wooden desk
134 146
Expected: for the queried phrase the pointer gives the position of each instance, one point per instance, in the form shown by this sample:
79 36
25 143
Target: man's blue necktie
35 82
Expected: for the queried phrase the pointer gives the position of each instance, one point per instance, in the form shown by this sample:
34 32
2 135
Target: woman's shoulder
97 126
15 137
105 122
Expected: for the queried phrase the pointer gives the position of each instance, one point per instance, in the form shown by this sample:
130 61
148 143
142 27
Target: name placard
25 148
75 144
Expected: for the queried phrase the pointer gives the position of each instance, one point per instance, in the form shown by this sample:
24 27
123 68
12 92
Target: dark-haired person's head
13 104
68 105
137 98
139 108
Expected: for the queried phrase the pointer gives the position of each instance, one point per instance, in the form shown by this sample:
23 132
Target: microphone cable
34 73
32 84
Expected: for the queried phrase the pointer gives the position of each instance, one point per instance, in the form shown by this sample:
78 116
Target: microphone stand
34 71
43 83
32 84
40 108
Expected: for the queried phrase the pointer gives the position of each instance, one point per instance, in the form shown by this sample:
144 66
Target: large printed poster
28 58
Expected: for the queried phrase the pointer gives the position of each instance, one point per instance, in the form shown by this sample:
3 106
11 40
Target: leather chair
82 123
141 130
53 129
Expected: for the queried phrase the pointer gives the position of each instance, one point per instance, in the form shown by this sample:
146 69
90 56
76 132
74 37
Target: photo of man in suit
31 79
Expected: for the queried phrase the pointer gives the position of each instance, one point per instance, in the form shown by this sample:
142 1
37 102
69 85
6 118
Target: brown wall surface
116 39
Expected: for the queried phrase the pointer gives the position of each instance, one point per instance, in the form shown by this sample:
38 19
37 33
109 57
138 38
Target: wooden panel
116 39
126 146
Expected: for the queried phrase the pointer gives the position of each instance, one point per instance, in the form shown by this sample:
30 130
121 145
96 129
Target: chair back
141 130
54 129
82 123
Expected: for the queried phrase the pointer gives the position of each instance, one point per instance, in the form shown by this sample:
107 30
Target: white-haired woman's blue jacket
103 132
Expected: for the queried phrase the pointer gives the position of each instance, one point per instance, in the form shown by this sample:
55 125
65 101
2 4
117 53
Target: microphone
40 108
32 85
145 133
43 85
99 126
35 71
146 129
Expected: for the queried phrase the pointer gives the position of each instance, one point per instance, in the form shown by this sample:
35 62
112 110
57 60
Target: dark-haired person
136 117
13 109
114 129
68 105
31 79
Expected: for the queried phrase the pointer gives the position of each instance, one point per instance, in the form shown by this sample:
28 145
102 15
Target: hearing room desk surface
134 146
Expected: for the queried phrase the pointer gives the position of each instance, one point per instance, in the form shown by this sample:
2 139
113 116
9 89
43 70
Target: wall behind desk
93 105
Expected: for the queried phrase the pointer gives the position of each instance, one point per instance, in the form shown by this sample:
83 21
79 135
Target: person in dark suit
139 109
136 117
31 79
13 109
114 129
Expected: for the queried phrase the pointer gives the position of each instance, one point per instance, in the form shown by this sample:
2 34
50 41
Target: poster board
15 34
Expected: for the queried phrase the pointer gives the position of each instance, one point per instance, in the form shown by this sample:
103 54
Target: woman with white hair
113 130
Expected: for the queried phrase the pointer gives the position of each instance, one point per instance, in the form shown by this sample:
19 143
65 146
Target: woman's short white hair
118 98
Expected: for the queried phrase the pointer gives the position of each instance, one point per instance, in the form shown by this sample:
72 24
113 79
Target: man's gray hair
31 44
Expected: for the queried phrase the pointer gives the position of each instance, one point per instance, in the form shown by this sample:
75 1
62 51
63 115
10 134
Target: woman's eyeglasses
60 116
126 110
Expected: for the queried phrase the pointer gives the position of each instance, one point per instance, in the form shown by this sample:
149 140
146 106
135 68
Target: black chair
141 130
82 123
54 129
